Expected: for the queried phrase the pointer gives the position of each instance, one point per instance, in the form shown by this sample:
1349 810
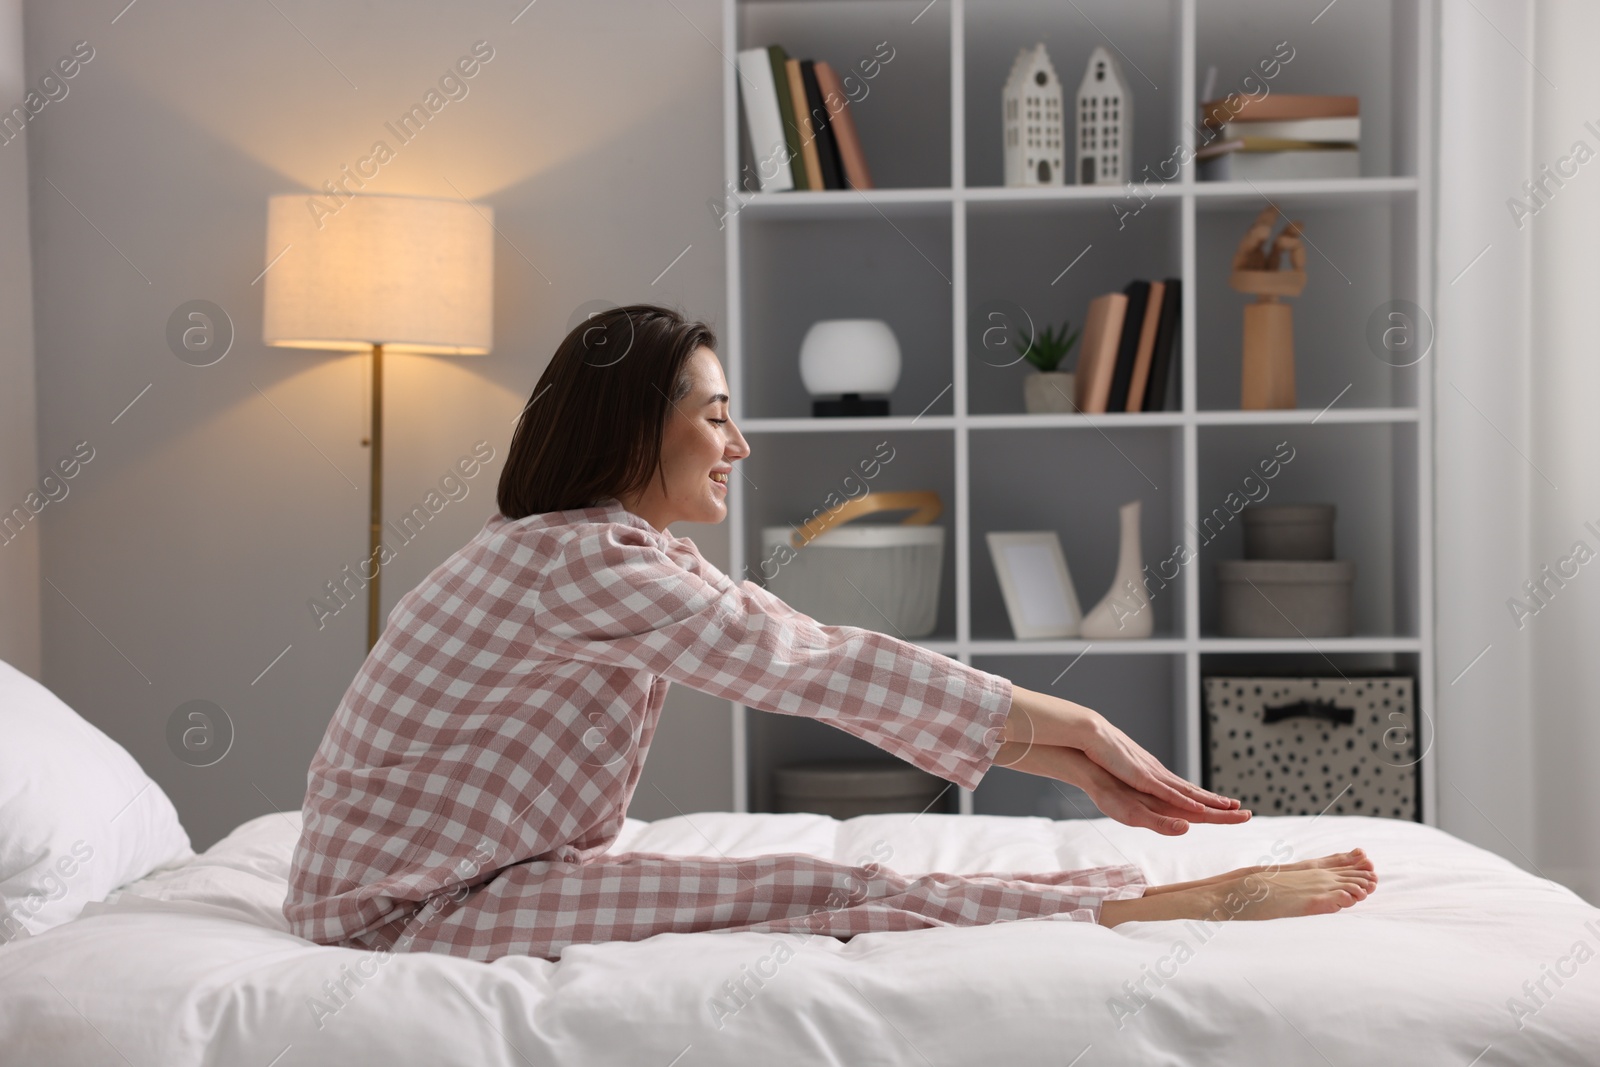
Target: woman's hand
1060 739
1110 794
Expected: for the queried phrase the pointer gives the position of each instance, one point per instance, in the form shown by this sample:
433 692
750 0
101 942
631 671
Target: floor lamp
379 274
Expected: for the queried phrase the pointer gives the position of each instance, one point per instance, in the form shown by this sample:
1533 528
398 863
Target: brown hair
594 425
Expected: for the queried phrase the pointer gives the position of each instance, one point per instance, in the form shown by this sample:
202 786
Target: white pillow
78 815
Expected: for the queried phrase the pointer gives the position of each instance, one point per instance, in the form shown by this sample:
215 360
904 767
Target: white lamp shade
841 356
414 274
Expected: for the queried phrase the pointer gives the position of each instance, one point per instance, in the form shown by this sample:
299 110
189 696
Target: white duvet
1458 959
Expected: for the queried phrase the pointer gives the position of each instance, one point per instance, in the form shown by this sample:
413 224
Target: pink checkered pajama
479 768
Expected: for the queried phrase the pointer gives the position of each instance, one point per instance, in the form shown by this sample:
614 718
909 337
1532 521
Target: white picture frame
1036 584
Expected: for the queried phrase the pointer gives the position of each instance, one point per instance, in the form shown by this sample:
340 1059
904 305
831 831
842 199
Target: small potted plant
1050 390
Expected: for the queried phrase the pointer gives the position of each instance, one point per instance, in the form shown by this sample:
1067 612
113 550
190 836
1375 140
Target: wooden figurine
1270 268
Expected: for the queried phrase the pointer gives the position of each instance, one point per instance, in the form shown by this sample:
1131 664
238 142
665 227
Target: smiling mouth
720 477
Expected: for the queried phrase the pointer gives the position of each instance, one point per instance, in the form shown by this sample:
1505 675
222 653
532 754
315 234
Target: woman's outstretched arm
615 595
1060 739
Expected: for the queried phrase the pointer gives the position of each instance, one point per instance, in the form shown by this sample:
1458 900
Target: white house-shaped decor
1105 122
1033 126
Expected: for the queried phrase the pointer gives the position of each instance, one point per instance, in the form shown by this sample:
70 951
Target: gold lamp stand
375 512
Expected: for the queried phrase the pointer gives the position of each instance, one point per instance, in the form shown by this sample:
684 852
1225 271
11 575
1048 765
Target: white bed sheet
194 965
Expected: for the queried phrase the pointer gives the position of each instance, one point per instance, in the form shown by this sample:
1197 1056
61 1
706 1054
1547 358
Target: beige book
1147 347
1097 359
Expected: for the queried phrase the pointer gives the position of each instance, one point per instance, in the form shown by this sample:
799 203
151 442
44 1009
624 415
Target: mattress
1459 958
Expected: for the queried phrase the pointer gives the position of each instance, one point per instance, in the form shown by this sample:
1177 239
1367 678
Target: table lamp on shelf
402 273
849 366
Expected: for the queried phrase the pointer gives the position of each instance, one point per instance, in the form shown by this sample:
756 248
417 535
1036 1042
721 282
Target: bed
193 964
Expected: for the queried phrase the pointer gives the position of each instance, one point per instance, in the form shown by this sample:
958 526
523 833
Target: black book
1132 325
1164 362
822 129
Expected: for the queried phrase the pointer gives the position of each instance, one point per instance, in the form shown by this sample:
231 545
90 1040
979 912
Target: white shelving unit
940 241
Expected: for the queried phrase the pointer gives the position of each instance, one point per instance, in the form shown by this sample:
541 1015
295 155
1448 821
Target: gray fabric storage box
1285 598
846 789
1288 531
878 577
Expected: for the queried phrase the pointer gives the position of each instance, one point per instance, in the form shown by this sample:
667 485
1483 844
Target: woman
480 765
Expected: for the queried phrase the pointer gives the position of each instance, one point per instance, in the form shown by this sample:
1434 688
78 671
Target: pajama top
494 736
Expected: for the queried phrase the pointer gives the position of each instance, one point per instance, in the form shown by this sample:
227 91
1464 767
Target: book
764 121
791 133
1138 293
1146 350
1346 129
1268 166
822 128
856 174
802 125
1164 361
1267 144
749 174
1277 107
1097 352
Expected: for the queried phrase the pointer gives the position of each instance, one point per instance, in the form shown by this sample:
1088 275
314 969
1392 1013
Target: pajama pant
539 907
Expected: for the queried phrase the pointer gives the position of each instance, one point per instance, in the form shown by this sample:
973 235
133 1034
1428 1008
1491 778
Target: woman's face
698 451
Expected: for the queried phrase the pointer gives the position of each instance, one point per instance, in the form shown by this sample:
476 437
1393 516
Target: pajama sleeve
618 598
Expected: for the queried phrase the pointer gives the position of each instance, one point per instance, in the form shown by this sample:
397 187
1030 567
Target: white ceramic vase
1125 610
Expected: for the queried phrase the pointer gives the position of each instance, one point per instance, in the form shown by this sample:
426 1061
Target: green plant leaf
1049 347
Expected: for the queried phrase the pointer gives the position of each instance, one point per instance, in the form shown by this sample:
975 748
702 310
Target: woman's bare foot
1354 858
1311 887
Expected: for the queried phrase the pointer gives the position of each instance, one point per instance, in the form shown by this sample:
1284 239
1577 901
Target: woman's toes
1354 860
1327 903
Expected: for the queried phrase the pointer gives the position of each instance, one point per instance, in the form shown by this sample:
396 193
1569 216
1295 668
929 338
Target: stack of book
1281 135
1129 351
798 126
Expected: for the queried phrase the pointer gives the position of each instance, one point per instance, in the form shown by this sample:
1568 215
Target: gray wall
220 502
19 476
